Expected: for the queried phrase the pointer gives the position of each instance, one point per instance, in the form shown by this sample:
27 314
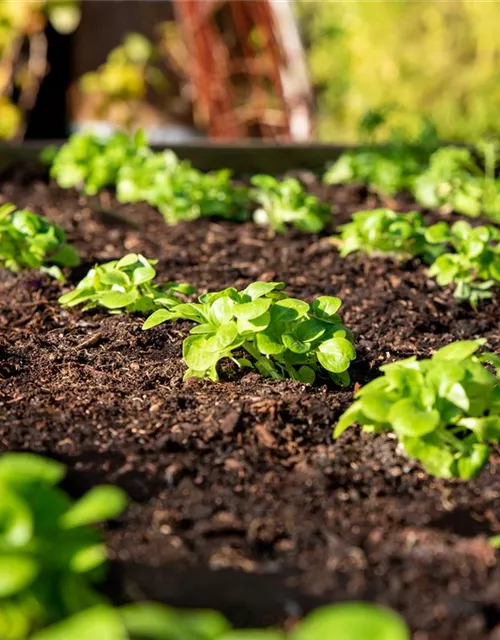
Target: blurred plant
122 82
28 241
455 181
283 203
441 61
472 265
23 55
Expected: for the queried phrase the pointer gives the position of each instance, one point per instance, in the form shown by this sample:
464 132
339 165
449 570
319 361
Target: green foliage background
435 58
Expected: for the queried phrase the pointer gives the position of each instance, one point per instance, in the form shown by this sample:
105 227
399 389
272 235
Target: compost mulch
240 499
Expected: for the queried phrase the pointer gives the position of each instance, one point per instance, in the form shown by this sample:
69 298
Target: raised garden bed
242 501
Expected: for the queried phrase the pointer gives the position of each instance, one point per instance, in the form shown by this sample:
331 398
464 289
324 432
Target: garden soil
240 499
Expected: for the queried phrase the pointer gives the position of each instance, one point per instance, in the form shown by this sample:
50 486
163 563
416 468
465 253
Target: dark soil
241 500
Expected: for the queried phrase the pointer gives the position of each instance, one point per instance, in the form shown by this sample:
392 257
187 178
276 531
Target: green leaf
407 419
459 350
326 306
295 345
101 622
336 354
196 355
16 519
223 338
117 299
20 468
352 621
222 310
470 465
143 274
250 310
99 504
17 572
306 374
259 289
158 317
436 459
348 418
269 343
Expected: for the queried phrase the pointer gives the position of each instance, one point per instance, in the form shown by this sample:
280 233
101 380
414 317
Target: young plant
455 181
444 410
285 202
125 285
28 241
473 266
282 336
385 232
50 554
90 163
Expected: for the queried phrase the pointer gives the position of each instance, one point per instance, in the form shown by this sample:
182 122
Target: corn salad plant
28 241
385 232
473 265
455 181
125 285
444 410
50 554
283 203
282 336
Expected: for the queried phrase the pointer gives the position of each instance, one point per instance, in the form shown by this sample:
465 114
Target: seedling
444 410
284 203
28 241
385 232
282 336
125 285
50 556
474 266
455 181
90 163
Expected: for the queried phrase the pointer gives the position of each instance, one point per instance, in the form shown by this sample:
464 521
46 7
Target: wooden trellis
237 70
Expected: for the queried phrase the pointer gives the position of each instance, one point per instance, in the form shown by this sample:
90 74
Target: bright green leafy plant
282 336
50 555
125 285
455 181
473 266
285 202
386 170
28 241
385 232
181 192
444 410
90 163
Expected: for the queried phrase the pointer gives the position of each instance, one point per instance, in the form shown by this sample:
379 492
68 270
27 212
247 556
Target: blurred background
330 71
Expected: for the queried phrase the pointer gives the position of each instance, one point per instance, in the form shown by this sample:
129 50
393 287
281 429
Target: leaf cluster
473 265
125 285
285 202
386 170
179 191
89 163
28 241
383 231
445 411
282 336
50 555
455 181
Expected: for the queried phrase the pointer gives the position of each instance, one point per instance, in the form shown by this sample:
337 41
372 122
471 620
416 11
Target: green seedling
125 285
445 411
473 266
282 336
455 181
385 232
50 554
385 170
90 163
28 241
286 203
